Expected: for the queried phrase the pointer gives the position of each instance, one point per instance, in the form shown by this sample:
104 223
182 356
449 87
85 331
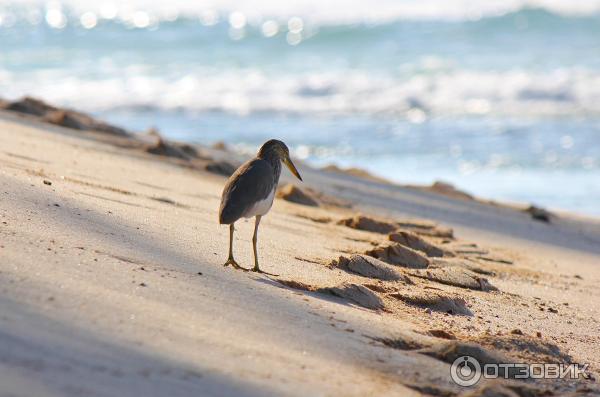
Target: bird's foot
257 270
234 264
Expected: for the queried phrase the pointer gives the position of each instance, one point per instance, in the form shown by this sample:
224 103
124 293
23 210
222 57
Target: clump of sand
294 194
414 241
399 255
368 266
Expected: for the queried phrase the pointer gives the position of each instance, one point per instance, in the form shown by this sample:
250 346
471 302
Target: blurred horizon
500 98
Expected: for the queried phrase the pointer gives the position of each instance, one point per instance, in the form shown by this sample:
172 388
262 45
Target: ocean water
500 98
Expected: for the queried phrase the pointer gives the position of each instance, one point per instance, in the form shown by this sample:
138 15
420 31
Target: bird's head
277 150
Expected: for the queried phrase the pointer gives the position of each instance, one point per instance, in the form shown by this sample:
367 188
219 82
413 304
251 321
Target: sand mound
29 105
369 224
415 242
436 302
449 351
369 267
357 294
220 167
457 277
526 347
357 172
449 190
63 117
290 192
399 255
168 149
80 121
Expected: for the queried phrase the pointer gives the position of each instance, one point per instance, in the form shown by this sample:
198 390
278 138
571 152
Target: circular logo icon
465 371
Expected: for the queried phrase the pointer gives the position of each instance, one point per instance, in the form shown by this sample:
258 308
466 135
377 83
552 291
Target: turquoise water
502 102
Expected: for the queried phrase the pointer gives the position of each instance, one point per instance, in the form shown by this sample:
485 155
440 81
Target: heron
249 192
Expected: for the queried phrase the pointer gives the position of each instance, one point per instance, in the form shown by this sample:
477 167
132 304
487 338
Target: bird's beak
292 167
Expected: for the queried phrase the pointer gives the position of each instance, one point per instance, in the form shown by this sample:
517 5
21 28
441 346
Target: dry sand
111 281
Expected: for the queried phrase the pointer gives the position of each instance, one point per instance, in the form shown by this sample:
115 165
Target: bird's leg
230 260
254 240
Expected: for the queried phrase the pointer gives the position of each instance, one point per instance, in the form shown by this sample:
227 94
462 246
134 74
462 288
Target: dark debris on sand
187 155
163 147
63 117
539 214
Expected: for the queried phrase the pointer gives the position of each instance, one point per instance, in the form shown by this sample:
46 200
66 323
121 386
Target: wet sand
111 280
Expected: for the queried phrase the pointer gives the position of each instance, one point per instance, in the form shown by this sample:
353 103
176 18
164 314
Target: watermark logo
467 371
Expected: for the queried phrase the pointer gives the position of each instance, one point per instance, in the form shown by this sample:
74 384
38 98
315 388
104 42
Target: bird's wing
252 182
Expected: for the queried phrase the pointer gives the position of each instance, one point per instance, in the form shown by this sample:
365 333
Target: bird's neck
275 162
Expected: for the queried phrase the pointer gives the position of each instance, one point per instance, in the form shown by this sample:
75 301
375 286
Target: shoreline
111 279
152 135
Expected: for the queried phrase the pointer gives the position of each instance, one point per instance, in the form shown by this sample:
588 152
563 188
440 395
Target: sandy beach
112 284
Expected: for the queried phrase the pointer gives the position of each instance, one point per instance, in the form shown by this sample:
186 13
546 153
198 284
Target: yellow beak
292 167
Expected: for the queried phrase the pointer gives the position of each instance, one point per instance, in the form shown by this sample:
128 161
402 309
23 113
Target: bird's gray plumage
252 182
249 192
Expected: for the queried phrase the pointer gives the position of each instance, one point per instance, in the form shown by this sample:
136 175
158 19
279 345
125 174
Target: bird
249 192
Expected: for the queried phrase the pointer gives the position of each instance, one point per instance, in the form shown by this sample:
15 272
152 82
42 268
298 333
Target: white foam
569 91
